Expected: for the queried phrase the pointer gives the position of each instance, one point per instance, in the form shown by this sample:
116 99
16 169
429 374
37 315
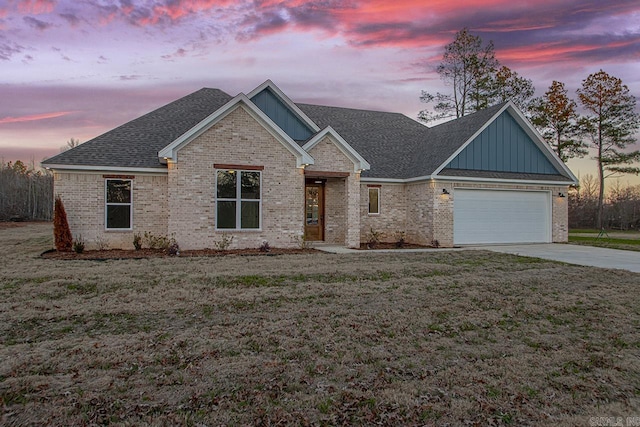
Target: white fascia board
500 180
470 140
284 98
382 181
170 151
85 168
359 163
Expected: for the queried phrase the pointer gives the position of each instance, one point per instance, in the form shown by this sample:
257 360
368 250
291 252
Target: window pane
226 214
118 216
250 185
373 200
118 191
250 215
226 185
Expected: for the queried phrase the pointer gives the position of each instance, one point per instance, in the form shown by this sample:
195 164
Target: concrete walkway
574 254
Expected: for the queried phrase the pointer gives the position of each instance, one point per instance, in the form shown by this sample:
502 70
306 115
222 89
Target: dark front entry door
314 211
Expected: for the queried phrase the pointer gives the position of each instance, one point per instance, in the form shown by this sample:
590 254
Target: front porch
332 211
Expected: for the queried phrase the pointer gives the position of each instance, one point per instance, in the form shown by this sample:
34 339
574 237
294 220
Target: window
374 200
118 204
238 200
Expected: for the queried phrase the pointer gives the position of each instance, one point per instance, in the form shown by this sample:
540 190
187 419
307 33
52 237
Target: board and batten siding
277 111
503 147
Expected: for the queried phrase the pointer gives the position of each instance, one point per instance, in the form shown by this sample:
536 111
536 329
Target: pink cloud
36 6
34 117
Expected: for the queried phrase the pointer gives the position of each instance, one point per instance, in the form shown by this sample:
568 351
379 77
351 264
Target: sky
77 68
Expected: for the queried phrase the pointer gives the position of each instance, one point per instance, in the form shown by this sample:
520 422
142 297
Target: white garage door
501 216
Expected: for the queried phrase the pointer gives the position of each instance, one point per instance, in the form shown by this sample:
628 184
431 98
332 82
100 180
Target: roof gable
503 146
513 128
359 163
171 150
282 115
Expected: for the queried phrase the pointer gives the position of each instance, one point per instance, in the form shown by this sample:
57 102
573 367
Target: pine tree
611 123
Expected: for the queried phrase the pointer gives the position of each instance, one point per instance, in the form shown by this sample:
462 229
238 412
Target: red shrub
61 232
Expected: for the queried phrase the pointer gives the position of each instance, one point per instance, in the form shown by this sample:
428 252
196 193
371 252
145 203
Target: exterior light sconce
561 195
445 192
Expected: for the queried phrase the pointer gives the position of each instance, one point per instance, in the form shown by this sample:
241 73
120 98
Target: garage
501 216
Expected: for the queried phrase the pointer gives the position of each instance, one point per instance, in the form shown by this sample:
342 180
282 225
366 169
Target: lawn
625 240
444 338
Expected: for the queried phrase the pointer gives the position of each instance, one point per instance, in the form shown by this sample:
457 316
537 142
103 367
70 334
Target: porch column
352 195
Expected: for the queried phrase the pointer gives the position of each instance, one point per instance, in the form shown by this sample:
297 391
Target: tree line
608 125
621 210
25 193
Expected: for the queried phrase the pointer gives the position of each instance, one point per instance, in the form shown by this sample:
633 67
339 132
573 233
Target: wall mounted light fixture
561 195
445 191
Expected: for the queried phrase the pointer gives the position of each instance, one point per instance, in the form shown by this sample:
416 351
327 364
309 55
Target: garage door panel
501 216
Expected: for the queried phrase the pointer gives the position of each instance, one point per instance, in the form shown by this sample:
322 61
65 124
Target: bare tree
71 143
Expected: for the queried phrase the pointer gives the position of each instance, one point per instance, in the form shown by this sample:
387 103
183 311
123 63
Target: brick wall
393 211
83 195
240 140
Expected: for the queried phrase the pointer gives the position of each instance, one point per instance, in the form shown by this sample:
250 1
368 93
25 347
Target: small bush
302 241
435 243
102 243
264 247
156 242
224 242
137 241
374 237
400 238
174 248
78 244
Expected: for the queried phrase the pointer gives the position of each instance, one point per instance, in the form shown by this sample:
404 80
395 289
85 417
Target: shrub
156 242
264 247
102 243
78 244
302 241
435 243
400 238
137 241
174 248
374 237
61 233
224 242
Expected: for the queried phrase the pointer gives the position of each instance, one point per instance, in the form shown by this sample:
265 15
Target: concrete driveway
574 254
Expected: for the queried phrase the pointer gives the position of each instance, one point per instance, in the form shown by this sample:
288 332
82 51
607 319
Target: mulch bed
392 245
159 253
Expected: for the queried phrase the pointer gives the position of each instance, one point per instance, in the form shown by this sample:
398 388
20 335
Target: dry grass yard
445 338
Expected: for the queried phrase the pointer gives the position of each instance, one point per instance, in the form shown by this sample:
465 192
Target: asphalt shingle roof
395 145
136 143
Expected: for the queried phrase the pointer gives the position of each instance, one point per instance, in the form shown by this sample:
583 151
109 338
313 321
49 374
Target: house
260 167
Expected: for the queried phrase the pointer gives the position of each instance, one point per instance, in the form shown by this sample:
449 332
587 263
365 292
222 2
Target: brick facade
240 140
429 212
182 202
83 195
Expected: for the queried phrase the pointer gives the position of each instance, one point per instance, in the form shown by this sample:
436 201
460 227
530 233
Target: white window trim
238 199
369 200
107 204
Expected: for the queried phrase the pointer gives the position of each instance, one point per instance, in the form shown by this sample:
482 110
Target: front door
314 210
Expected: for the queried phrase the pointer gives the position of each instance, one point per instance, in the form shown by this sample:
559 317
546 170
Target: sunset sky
77 68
